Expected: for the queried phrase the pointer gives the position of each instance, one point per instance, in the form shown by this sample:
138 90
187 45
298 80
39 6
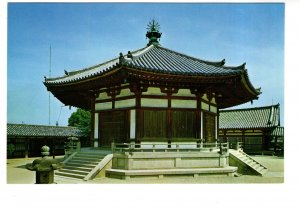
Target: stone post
44 167
113 146
201 143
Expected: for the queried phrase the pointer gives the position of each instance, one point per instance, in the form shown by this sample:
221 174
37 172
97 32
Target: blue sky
85 34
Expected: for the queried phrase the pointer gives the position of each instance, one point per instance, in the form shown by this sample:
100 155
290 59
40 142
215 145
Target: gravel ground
18 174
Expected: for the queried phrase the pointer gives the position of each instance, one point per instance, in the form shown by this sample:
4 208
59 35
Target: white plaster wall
132 124
103 106
213 100
204 97
184 103
184 145
125 103
156 145
153 91
103 96
204 106
184 92
125 92
96 125
255 134
147 102
213 109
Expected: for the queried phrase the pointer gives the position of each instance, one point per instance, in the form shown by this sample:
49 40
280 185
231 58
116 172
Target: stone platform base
160 173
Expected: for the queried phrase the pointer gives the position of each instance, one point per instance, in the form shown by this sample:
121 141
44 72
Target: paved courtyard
18 174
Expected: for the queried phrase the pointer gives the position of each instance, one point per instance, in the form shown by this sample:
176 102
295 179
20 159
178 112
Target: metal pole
49 77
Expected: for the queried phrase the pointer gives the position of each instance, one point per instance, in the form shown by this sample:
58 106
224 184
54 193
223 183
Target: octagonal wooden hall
154 95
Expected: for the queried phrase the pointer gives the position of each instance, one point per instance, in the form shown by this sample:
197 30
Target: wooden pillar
198 116
93 125
202 125
169 91
217 124
139 118
137 89
169 127
94 139
198 124
139 125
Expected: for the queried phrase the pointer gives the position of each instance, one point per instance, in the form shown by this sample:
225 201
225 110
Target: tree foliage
10 149
81 119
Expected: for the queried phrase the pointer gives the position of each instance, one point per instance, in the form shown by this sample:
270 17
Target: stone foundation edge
160 173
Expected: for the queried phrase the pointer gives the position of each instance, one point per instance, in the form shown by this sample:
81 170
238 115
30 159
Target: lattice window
183 124
253 143
154 124
209 127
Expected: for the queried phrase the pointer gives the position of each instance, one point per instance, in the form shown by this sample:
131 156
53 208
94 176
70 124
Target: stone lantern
44 167
72 145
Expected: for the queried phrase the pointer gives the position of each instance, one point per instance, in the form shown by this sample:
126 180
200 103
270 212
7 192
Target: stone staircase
245 163
80 165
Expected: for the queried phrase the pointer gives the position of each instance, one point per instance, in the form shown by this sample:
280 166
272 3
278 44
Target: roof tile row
157 59
24 130
260 117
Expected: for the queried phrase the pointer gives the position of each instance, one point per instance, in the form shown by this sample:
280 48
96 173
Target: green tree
10 149
81 119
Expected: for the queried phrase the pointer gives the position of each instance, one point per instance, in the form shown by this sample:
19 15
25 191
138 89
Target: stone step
86 158
87 155
91 153
70 175
264 171
251 163
260 168
77 168
90 166
244 158
72 171
124 174
80 165
84 161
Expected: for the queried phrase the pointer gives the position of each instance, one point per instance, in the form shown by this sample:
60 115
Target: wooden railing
235 145
165 147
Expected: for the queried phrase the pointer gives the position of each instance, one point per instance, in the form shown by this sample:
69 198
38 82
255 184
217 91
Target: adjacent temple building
155 97
257 129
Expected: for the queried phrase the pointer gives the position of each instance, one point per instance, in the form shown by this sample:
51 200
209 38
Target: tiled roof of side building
25 130
259 117
278 131
156 59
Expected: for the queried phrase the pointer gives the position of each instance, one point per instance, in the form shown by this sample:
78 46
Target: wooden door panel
114 126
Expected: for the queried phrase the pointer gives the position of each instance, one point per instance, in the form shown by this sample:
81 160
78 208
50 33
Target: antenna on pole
49 77
59 114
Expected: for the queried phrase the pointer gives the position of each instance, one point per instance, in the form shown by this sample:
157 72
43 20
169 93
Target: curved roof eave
248 84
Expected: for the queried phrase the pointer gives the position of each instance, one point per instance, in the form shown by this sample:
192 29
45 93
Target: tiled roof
155 59
260 117
24 130
278 131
